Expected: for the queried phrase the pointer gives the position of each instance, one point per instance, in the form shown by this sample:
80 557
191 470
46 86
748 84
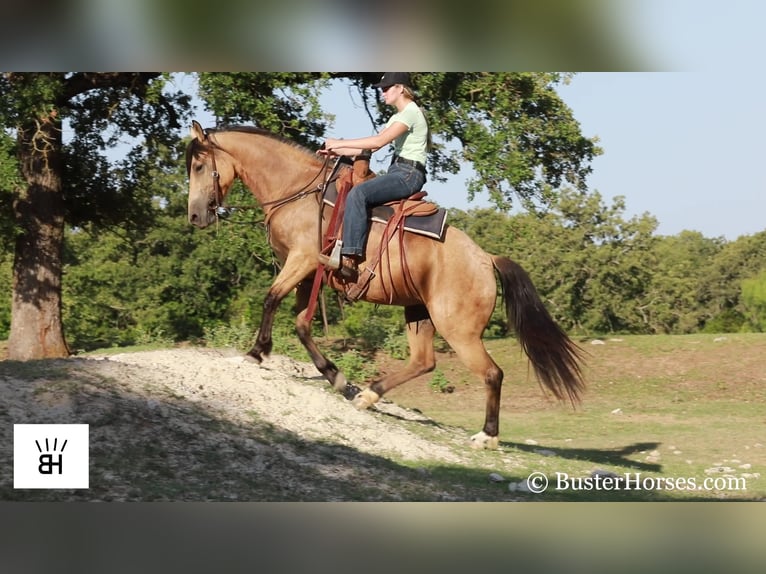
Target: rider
408 130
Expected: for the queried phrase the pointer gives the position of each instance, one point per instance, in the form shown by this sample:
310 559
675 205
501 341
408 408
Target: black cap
391 78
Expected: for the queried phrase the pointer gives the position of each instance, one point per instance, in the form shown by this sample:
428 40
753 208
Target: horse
449 286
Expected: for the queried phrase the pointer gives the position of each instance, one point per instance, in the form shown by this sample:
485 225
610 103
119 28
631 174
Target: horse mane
195 145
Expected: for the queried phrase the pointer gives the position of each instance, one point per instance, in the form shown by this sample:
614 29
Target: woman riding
408 130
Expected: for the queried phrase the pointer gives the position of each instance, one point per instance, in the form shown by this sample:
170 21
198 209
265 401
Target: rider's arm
374 143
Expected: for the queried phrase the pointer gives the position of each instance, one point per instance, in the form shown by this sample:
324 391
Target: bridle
304 191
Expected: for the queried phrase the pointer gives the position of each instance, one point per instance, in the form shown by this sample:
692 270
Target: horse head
211 172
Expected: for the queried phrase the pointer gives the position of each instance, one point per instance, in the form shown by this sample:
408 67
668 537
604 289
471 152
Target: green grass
656 408
667 407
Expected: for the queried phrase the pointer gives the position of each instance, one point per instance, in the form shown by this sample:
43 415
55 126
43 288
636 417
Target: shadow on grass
614 457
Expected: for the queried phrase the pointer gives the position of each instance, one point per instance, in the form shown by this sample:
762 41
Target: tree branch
82 82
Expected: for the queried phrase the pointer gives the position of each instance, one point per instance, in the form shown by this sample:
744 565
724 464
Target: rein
305 191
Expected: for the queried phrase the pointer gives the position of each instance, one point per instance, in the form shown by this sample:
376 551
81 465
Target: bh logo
50 456
46 460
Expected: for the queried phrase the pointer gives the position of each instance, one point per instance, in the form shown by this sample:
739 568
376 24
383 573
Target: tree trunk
36 327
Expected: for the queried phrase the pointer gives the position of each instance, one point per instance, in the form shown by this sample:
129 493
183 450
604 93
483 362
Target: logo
50 456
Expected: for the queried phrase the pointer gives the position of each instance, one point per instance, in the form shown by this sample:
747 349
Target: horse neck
271 169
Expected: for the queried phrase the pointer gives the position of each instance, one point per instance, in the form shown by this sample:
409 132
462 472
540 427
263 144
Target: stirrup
333 260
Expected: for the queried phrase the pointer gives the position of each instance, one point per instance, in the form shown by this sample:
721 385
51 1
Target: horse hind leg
474 355
471 351
420 336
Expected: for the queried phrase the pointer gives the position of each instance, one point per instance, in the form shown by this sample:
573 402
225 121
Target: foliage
439 382
513 128
355 365
516 132
754 300
372 326
5 302
285 102
135 271
10 180
721 285
64 124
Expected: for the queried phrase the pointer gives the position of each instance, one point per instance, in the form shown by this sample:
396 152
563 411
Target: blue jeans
399 182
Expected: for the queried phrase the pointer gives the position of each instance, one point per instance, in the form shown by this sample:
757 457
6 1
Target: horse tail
554 356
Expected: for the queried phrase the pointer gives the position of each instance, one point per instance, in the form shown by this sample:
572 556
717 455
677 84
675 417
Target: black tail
554 356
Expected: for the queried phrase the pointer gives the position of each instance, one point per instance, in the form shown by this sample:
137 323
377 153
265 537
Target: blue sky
685 147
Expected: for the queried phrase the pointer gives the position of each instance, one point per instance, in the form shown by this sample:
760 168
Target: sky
686 147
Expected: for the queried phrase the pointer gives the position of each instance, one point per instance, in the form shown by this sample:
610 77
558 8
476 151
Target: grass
667 407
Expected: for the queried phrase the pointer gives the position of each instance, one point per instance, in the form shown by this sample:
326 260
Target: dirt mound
277 392
202 424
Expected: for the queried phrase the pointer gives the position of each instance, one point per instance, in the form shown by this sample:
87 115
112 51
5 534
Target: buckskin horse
446 285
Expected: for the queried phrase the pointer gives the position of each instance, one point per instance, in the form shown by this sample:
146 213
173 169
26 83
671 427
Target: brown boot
349 268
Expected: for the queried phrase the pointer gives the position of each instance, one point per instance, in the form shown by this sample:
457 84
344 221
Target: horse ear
197 131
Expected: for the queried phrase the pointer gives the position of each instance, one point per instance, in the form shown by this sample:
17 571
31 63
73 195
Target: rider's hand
328 147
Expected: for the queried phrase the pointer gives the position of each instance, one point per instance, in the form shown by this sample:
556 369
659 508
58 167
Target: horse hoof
250 358
483 440
340 382
365 399
351 391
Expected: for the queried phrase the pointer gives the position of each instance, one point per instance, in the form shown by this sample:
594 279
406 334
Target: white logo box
50 456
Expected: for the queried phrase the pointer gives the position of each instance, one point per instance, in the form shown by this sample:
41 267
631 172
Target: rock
530 441
520 486
719 470
617 412
545 452
597 342
495 477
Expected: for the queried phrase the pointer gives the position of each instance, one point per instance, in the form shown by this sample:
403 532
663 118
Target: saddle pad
429 225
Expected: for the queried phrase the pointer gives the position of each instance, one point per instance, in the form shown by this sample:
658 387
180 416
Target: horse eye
198 168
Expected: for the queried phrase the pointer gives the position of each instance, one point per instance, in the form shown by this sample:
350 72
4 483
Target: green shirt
412 144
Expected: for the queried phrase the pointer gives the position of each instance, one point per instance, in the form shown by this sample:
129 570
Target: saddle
422 217
412 214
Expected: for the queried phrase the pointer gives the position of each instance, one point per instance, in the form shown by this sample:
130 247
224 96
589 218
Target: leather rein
305 191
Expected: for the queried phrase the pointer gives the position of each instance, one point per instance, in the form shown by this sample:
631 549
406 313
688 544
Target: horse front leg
297 268
303 327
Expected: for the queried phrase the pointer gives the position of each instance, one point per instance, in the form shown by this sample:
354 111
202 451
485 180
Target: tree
520 137
675 300
754 300
513 128
72 181
720 288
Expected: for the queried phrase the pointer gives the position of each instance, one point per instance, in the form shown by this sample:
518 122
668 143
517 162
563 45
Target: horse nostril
193 218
